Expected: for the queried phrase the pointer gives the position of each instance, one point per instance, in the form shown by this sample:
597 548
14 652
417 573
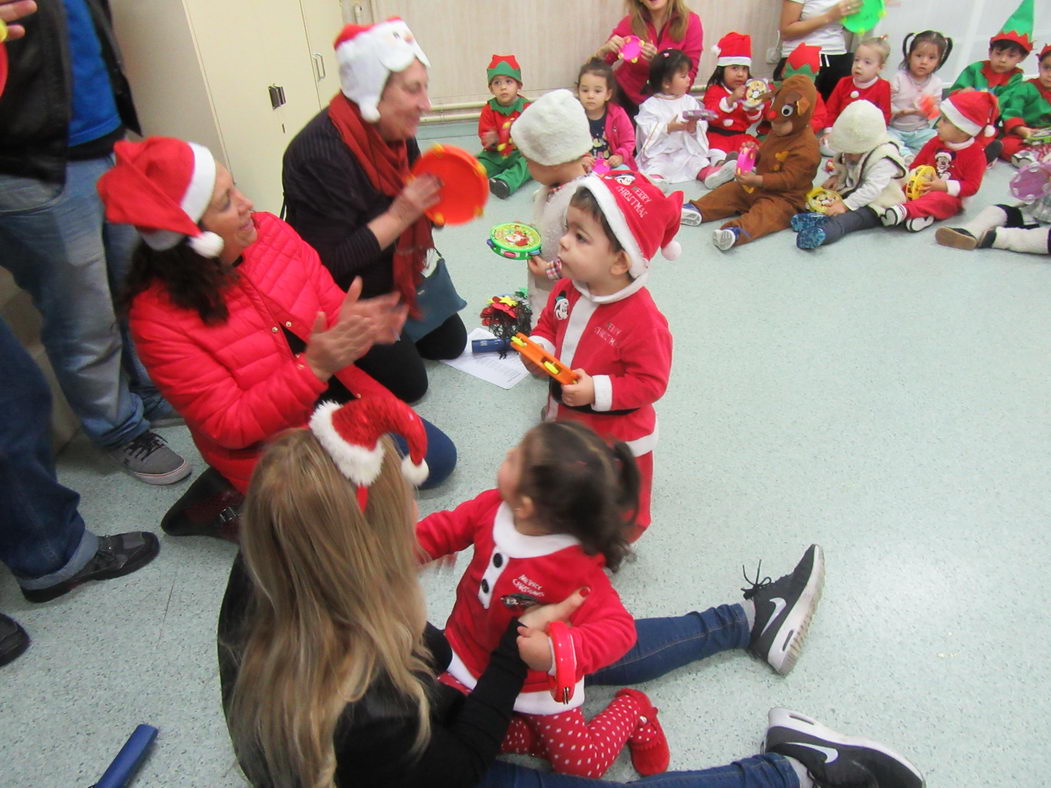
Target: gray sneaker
149 460
690 216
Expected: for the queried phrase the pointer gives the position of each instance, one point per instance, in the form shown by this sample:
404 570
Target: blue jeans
59 247
43 540
441 454
912 141
663 645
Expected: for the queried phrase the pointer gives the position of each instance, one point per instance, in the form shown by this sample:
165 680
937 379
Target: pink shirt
632 76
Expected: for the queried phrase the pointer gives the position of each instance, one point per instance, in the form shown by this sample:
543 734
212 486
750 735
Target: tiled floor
884 397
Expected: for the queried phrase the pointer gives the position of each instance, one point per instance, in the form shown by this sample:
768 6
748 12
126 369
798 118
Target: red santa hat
1045 51
641 216
351 434
734 49
368 55
972 111
162 186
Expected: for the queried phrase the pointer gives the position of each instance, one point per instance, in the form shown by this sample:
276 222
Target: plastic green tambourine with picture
514 240
866 17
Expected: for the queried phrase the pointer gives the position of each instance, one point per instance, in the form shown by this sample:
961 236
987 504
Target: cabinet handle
277 95
319 66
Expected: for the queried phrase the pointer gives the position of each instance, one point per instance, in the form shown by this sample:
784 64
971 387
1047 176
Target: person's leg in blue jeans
441 454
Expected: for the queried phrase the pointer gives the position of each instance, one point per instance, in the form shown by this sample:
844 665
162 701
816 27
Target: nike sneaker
784 608
836 759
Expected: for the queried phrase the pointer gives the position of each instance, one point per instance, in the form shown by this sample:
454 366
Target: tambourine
3 56
514 240
564 680
756 91
866 17
919 176
631 50
819 199
465 184
1032 182
1039 137
746 156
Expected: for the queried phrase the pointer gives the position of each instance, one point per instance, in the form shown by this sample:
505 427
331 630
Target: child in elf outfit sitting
1026 108
503 163
555 139
601 321
1007 49
867 175
957 158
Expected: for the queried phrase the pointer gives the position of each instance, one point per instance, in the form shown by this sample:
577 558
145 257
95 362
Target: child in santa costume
554 136
957 157
601 321
1026 108
503 162
864 82
728 131
867 174
557 519
1007 49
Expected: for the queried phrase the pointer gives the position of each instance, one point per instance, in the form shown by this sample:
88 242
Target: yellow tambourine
819 199
919 176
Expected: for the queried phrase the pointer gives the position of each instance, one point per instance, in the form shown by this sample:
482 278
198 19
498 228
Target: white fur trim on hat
194 203
370 57
959 120
362 466
611 211
553 129
732 60
416 474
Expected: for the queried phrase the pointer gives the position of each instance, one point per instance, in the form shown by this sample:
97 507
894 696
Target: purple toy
1032 182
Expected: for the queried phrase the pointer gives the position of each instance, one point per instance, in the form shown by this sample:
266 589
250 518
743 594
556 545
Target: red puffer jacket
237 383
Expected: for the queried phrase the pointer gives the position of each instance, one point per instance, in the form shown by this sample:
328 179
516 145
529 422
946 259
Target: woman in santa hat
348 192
236 320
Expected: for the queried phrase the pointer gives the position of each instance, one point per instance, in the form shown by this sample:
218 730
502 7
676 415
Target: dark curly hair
581 485
664 64
190 280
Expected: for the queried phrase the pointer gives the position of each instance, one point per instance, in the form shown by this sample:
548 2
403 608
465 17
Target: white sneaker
917 223
893 216
724 239
1023 158
690 216
724 174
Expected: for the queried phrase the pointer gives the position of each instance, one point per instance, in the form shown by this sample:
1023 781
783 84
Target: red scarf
387 166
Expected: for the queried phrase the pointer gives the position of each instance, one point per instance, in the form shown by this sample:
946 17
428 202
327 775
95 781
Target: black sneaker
13 640
783 610
149 460
835 759
120 554
500 188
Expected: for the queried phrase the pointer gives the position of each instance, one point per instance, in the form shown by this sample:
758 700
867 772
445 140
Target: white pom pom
417 474
370 112
716 50
207 244
672 250
989 131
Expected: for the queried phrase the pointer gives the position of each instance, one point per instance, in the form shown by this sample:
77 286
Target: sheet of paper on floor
503 372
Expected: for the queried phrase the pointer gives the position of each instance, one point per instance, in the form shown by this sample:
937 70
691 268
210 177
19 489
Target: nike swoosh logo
779 605
828 752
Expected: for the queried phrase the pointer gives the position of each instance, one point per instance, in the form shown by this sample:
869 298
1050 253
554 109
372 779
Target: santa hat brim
608 203
734 61
358 463
959 120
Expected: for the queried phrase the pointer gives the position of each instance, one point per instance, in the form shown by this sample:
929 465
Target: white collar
864 85
959 145
515 544
636 284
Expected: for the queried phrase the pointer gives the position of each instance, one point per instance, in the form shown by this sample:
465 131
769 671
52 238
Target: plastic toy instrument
928 105
921 175
3 56
127 762
564 680
746 157
600 167
756 91
531 351
1039 137
866 17
631 49
819 199
465 185
702 113
514 240
1032 182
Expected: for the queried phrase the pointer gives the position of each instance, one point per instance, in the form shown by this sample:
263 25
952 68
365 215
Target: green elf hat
504 66
805 60
1018 28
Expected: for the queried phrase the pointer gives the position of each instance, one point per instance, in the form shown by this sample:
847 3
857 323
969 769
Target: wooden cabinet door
322 21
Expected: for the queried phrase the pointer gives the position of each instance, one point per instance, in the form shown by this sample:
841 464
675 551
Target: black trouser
836 227
400 367
833 69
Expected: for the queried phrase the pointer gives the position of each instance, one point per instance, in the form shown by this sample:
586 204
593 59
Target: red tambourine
465 185
565 679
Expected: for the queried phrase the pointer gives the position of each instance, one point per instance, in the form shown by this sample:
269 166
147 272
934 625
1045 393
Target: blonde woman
660 24
328 666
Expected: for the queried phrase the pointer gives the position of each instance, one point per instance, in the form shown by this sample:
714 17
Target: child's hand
532 368
934 185
588 161
615 161
691 126
836 208
489 139
581 393
1023 131
750 179
537 266
830 183
738 94
534 648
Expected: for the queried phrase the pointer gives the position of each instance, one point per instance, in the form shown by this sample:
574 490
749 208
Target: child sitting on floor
673 147
1007 49
957 158
559 517
612 132
864 82
503 163
602 322
555 139
867 175
916 90
1027 108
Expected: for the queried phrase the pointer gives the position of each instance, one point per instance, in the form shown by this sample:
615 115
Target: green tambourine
514 240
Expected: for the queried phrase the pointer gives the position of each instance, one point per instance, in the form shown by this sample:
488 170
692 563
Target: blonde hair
336 607
678 18
879 43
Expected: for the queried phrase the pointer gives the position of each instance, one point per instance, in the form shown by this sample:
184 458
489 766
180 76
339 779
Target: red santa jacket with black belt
961 168
549 568
847 92
621 340
733 117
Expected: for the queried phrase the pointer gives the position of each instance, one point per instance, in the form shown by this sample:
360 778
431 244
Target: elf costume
806 61
729 130
502 160
1017 29
1026 104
